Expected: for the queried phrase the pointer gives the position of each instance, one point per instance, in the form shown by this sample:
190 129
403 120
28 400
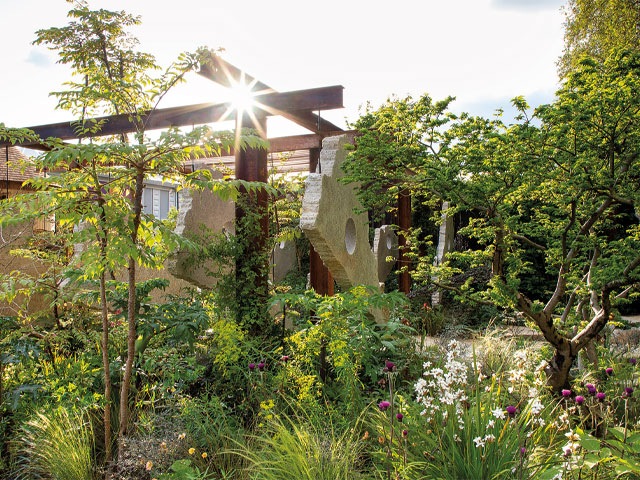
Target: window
158 201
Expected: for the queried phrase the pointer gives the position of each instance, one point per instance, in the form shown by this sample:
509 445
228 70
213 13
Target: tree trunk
131 317
559 366
107 372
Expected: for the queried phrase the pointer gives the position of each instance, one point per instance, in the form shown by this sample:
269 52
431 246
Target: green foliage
183 470
338 345
596 28
56 445
305 446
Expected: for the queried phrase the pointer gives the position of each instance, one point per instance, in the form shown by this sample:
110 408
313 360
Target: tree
97 187
596 28
561 184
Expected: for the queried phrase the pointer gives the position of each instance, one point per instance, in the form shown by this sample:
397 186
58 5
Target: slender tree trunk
131 316
106 370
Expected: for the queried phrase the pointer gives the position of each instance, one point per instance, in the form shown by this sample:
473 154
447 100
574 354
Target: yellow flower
192 451
182 436
204 455
149 465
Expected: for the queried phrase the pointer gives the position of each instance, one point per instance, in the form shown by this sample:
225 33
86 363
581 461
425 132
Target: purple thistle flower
566 393
399 417
252 366
261 366
389 366
633 361
600 396
628 391
608 371
591 389
511 411
383 405
523 451
579 399
405 433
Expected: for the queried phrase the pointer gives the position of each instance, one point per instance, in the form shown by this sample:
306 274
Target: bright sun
242 96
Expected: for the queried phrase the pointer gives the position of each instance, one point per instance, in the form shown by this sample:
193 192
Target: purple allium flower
389 366
628 391
591 388
579 399
399 416
261 366
633 361
608 371
600 396
405 433
511 411
566 393
252 366
383 405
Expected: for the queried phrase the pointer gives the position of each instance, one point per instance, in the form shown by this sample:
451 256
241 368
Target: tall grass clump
304 446
56 445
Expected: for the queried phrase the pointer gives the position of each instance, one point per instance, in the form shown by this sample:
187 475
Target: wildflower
148 466
498 413
608 371
490 438
383 405
399 417
536 407
511 411
591 389
284 358
523 451
633 361
389 366
182 436
627 391
579 399
479 441
491 423
192 451
405 433
252 366
566 393
600 396
366 435
261 366
204 455
572 436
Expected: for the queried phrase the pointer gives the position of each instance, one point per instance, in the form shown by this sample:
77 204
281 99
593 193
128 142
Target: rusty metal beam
325 98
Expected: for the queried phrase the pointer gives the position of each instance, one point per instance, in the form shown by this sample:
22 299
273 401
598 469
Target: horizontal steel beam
323 98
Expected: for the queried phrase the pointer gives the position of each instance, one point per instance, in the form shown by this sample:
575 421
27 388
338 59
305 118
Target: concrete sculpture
338 234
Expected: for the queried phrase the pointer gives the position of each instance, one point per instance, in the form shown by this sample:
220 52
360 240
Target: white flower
536 407
491 423
479 441
489 438
499 413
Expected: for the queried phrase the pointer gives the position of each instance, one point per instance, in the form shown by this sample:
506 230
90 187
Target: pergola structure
250 164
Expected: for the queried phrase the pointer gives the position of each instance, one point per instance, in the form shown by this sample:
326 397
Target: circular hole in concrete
350 236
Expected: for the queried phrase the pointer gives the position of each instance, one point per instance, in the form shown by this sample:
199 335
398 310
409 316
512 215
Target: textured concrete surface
338 234
198 210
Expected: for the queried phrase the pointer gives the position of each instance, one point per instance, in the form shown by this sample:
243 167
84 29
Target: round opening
350 236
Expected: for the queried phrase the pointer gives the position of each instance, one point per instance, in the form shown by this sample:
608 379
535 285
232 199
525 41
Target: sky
483 52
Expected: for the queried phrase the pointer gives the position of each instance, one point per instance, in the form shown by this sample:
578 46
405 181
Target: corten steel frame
250 164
